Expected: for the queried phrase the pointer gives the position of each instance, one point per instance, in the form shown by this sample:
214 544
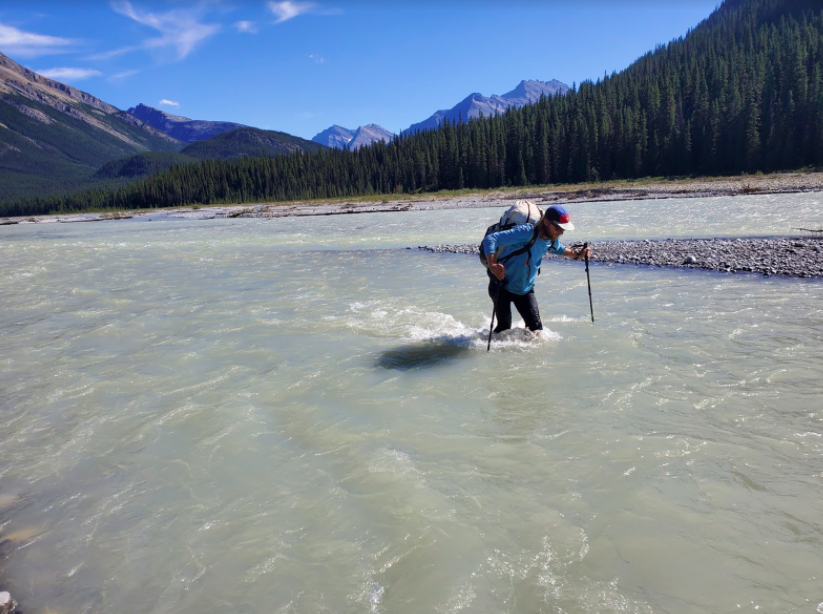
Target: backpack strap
523 249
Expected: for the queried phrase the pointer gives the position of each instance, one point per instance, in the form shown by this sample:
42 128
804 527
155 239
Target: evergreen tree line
742 92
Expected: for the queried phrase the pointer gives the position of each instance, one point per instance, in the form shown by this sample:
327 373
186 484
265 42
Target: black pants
526 305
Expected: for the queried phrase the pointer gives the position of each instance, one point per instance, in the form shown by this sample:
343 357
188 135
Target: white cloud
180 29
112 54
289 9
69 74
123 75
318 59
246 26
169 103
27 44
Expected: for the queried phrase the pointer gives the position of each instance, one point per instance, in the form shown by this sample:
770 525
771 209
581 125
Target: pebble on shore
790 256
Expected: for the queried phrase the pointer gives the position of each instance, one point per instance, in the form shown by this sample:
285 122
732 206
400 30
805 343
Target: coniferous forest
742 92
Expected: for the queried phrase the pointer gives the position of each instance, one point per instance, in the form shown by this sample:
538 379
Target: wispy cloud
169 103
289 10
70 74
180 30
248 27
123 75
106 55
27 44
318 59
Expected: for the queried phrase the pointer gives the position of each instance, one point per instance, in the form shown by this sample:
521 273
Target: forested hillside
53 136
235 144
742 92
249 142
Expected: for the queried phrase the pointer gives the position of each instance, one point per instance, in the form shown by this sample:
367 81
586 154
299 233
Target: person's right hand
498 270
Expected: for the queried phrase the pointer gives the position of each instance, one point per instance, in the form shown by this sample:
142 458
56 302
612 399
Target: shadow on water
420 355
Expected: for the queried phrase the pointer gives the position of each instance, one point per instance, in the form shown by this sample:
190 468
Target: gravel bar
789 256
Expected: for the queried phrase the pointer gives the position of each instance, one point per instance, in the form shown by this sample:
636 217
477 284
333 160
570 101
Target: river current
300 415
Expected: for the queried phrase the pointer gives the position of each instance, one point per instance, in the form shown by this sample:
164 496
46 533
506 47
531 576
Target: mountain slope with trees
477 105
250 142
181 128
53 136
741 92
245 141
343 138
141 165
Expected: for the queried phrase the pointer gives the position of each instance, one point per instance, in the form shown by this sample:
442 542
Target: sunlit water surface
300 415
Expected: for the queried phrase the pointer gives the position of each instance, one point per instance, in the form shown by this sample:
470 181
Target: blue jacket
521 271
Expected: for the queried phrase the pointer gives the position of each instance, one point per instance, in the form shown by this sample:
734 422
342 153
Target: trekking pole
588 279
491 325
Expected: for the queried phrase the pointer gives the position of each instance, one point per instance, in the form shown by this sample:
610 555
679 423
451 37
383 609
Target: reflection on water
279 416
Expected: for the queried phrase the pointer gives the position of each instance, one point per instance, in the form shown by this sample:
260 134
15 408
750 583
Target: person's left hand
498 270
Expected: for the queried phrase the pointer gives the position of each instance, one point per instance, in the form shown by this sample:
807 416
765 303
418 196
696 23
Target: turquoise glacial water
300 415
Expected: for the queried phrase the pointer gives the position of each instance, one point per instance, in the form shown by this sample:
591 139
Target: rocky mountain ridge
474 105
368 134
182 128
53 136
336 137
20 85
339 137
56 138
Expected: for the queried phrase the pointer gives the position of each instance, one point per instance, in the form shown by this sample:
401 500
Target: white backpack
521 212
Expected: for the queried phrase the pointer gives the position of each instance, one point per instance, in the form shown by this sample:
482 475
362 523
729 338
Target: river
300 415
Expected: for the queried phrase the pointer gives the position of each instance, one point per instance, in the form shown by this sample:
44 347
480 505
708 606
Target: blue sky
301 66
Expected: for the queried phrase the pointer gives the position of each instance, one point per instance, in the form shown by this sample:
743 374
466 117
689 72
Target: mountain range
55 138
473 106
621 127
339 137
244 141
181 128
476 105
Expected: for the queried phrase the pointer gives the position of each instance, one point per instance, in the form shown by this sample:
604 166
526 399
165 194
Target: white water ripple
293 416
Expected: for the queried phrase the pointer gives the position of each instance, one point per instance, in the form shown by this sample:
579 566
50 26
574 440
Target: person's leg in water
527 308
504 306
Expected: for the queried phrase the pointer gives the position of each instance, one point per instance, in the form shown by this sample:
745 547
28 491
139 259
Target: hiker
514 281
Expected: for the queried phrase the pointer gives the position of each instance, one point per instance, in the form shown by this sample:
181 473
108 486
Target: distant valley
55 138
235 144
652 119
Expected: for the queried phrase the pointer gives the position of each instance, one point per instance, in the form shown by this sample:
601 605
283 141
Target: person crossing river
513 282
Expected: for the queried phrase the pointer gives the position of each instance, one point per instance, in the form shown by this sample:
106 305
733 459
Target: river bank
790 256
641 189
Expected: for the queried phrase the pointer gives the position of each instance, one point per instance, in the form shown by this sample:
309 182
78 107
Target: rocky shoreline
786 256
643 189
